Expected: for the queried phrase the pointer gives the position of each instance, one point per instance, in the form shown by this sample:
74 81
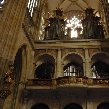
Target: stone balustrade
65 81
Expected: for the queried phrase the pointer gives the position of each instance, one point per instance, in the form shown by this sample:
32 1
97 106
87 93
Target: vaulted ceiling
73 6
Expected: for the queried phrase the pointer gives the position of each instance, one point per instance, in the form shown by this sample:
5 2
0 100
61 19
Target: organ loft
54 54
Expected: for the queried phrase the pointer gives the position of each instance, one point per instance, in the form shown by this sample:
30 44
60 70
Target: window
1 3
31 5
75 25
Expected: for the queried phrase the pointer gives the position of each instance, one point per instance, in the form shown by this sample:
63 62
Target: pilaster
59 72
87 64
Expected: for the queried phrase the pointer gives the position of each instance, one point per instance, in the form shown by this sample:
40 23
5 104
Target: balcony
71 81
98 83
64 82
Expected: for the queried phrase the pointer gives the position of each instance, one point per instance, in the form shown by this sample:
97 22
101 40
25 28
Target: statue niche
92 27
56 26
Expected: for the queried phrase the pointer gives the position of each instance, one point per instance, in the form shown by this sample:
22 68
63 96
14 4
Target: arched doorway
73 106
104 105
40 106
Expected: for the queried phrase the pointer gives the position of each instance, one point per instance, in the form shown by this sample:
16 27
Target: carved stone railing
98 82
39 82
64 81
71 80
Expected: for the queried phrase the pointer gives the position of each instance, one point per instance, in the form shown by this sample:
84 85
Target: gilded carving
66 51
68 81
80 51
52 52
40 51
69 50
93 50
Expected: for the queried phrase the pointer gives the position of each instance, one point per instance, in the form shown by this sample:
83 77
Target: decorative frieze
63 81
93 50
68 50
52 52
79 51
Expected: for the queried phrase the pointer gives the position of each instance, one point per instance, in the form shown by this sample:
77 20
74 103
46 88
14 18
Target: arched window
73 106
104 105
19 67
31 5
40 106
75 26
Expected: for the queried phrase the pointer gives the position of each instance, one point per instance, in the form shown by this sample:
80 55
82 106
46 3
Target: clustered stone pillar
9 28
10 24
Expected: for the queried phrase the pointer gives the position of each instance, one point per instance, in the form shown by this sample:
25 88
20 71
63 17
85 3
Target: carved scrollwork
93 50
80 51
63 81
52 52
66 51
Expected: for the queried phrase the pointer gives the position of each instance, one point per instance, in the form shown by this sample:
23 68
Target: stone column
87 64
84 69
59 72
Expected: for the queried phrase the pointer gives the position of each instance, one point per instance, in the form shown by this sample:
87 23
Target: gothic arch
21 46
40 106
20 57
20 67
73 106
